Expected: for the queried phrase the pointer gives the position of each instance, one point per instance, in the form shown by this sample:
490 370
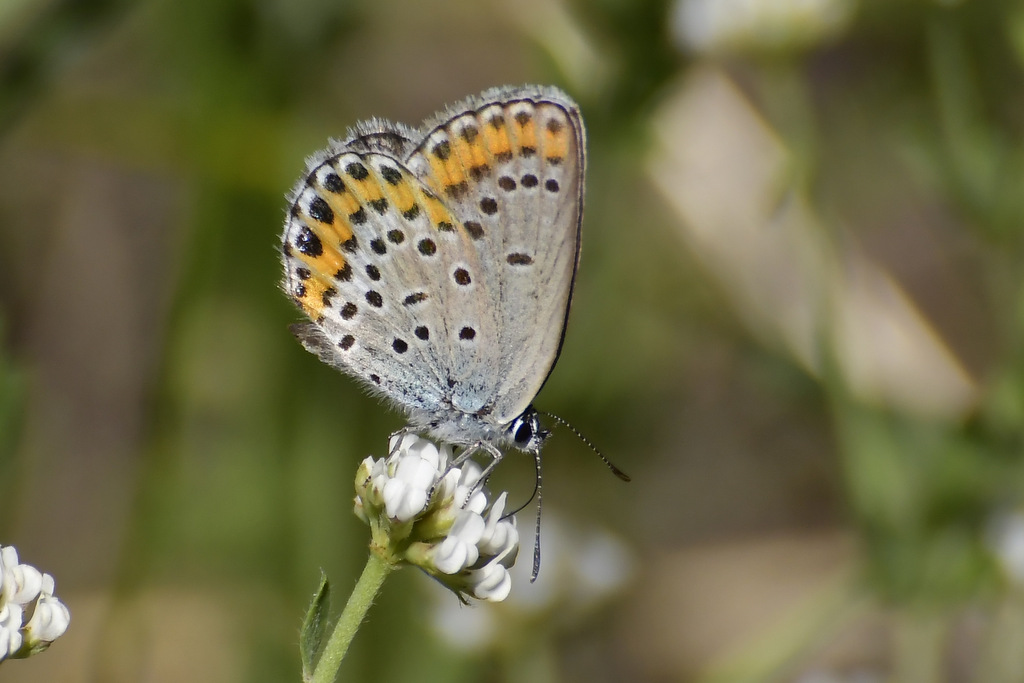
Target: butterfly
436 264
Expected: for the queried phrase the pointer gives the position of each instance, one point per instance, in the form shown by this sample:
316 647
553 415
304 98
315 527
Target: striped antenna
615 470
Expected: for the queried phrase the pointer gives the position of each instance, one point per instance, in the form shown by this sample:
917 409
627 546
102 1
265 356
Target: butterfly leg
408 429
480 446
469 452
496 456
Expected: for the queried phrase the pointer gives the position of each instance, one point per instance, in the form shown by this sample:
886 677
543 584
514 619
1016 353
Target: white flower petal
8 557
447 488
402 501
502 540
468 527
49 621
477 502
424 450
25 583
450 555
401 442
445 456
491 582
417 471
493 518
10 630
49 584
471 472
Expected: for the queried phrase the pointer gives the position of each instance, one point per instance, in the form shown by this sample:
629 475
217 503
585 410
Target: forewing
509 167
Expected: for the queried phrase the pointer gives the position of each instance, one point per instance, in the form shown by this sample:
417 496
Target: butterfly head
526 431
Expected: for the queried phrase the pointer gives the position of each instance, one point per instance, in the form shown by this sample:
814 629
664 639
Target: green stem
372 578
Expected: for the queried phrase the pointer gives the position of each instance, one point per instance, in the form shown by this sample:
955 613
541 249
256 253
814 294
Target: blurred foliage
12 406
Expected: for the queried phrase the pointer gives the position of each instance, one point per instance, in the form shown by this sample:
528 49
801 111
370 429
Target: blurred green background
797 325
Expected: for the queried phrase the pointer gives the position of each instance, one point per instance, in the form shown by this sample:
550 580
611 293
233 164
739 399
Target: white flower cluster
424 513
30 616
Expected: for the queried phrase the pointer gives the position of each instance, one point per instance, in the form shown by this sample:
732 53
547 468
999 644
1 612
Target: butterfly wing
361 260
509 167
437 265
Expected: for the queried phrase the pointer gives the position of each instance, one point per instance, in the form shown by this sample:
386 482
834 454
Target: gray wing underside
516 241
523 305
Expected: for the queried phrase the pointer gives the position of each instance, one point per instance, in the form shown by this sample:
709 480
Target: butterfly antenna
536 494
615 470
536 537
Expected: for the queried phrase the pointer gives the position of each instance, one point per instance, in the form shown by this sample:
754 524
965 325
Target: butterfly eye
523 433
526 431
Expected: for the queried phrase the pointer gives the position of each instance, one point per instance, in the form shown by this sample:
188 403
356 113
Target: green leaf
313 627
